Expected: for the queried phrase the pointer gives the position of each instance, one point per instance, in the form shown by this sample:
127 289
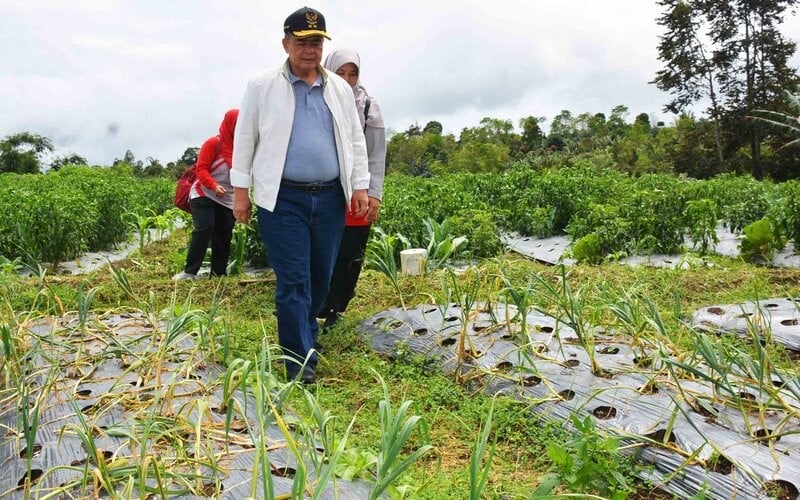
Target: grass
453 420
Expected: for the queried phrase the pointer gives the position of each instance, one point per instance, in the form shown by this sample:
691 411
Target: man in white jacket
300 146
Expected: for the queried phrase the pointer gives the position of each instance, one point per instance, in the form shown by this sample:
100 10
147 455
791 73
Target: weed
590 462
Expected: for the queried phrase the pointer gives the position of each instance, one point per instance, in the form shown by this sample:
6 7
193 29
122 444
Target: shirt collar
294 79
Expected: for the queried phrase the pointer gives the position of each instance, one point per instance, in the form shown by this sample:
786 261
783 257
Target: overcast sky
102 76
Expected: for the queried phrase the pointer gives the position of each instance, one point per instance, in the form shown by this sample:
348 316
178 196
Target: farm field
608 302
634 305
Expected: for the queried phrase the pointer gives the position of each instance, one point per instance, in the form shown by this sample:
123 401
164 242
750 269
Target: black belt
310 187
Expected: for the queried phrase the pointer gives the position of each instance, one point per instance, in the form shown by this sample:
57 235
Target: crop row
617 212
59 215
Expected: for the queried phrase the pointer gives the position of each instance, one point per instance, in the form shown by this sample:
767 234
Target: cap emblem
311 19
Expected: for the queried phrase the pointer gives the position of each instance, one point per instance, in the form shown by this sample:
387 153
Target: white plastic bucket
412 261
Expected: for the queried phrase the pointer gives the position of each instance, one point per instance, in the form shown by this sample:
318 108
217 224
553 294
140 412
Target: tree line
728 54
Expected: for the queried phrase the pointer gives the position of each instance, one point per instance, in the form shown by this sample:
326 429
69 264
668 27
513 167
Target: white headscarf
336 60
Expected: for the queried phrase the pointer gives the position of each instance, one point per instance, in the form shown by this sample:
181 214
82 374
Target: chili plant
702 216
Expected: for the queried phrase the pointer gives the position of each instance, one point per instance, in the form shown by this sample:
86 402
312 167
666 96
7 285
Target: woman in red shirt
211 201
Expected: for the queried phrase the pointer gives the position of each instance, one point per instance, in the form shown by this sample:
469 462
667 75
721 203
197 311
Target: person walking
211 202
347 64
300 146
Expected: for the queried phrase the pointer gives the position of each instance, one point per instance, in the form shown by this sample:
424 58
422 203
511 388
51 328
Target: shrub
761 242
481 232
588 249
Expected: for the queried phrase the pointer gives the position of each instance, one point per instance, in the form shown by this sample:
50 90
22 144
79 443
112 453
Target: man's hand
219 191
360 203
241 205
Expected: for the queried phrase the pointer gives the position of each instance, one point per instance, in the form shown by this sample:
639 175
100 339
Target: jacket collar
287 73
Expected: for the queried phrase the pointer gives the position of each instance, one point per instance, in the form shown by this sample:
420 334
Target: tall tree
731 52
433 127
70 159
689 73
490 130
532 136
21 152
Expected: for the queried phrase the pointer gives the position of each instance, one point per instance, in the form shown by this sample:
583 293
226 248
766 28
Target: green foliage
785 210
397 427
786 123
21 153
480 229
589 462
255 254
588 249
71 159
733 54
478 467
383 252
59 215
761 242
442 245
641 215
702 218
597 231
739 199
356 464
477 157
413 152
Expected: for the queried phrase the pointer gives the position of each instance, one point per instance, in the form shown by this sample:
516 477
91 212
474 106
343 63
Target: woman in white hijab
347 64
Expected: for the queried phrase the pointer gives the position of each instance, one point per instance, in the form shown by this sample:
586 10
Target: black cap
305 22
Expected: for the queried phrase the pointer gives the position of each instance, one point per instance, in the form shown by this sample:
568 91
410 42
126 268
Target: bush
588 249
481 232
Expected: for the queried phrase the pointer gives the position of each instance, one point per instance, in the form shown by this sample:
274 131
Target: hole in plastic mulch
659 435
504 366
781 489
447 342
531 380
567 395
766 437
720 464
36 449
36 474
211 490
604 412
285 471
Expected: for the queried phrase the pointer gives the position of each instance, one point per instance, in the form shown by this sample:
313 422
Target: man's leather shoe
306 376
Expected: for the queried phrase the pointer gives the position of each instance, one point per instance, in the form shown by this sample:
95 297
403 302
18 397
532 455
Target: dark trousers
213 223
346 270
302 235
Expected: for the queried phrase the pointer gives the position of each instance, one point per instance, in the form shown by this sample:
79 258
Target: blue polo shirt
311 155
